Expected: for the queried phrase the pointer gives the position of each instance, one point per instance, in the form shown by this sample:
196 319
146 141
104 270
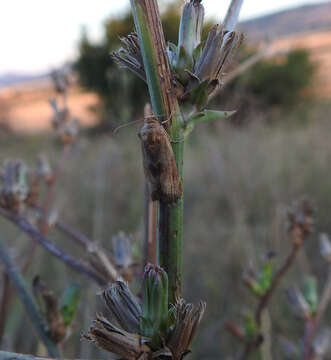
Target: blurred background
240 173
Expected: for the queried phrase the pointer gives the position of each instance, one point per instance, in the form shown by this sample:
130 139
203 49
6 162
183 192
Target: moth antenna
127 124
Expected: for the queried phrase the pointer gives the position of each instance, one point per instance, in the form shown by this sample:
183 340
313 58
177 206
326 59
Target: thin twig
264 299
4 355
36 235
80 239
28 301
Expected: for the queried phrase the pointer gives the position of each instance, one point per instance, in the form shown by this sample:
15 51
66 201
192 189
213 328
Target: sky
38 35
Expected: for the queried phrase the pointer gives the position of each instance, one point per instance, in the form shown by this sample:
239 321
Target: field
238 185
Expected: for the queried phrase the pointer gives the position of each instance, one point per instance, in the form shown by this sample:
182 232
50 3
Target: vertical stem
165 107
28 302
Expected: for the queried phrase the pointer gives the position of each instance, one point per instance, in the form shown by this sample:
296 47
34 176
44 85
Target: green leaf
197 52
250 326
199 95
205 116
266 276
310 293
69 303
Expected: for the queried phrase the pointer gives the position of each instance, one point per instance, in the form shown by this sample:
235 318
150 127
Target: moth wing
169 178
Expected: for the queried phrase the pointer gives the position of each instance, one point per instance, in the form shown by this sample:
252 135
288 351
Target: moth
159 162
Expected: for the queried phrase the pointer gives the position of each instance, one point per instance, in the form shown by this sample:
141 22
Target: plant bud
325 247
190 27
311 293
15 185
123 306
155 303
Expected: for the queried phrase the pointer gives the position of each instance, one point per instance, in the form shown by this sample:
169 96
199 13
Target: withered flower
197 67
129 56
123 306
14 189
153 332
187 320
112 339
300 220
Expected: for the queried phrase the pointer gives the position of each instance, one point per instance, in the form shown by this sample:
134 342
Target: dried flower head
14 188
197 67
187 320
123 306
300 220
112 339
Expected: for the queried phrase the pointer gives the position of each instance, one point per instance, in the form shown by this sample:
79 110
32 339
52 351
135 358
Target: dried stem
37 236
28 301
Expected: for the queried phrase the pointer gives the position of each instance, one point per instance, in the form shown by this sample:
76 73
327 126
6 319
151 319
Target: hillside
300 19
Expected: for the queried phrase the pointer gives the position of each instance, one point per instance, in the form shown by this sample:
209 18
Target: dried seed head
298 303
187 320
300 220
112 339
123 306
44 170
14 188
129 56
325 247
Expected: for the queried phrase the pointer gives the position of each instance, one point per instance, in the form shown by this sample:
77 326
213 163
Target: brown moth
159 162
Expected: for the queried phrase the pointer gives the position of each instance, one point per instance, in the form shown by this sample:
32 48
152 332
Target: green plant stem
165 107
28 301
